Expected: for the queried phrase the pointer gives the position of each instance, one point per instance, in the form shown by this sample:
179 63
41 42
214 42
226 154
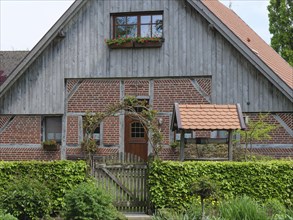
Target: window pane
145 19
96 135
132 31
157 32
145 30
120 31
120 20
132 20
151 25
137 130
157 19
53 128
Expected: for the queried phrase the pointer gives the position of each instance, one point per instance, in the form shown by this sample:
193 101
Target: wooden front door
136 140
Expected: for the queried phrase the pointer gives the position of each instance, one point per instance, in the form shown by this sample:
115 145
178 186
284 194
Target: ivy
169 182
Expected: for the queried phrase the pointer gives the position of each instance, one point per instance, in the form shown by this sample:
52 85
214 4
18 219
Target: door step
138 216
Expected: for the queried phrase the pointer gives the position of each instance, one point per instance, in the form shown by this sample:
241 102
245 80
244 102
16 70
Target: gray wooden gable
191 48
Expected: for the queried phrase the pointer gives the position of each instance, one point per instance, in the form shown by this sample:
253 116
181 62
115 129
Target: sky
24 22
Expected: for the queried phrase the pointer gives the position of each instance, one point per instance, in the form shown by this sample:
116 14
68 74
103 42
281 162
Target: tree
281 27
204 188
258 130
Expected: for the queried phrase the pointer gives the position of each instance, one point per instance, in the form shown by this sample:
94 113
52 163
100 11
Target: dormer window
130 25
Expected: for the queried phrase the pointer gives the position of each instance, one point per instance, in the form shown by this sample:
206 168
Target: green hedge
58 176
169 182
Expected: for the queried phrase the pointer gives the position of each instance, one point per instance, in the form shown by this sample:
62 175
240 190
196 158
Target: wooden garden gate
124 176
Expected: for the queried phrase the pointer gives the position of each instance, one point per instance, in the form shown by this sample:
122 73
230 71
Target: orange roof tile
208 117
266 53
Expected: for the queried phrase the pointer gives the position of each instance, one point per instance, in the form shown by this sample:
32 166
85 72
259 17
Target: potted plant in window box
174 145
135 42
143 42
120 43
50 145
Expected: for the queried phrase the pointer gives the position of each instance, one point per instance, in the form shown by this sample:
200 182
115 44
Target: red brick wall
75 153
287 118
111 131
72 130
70 84
165 129
169 154
278 136
4 120
22 130
105 151
94 95
136 87
205 84
275 152
10 154
169 91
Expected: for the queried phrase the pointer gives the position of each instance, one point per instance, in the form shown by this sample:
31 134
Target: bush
87 201
169 182
26 198
4 216
242 208
59 176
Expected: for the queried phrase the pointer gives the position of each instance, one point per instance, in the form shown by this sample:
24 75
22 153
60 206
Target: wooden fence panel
124 176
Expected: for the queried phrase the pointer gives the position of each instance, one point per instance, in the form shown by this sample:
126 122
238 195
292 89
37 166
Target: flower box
149 44
137 42
50 145
121 46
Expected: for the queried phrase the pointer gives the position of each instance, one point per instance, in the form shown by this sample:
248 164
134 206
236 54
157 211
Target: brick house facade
204 60
95 95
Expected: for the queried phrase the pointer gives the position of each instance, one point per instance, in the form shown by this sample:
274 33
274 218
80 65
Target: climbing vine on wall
129 106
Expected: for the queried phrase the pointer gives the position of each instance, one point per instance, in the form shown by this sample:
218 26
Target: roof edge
41 45
243 48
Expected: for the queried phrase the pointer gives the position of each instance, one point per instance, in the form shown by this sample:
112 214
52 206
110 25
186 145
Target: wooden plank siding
191 48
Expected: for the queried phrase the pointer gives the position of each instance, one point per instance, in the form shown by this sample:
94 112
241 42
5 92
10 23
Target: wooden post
121 122
230 146
182 145
64 124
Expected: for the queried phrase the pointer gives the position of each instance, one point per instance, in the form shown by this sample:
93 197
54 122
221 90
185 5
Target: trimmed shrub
26 198
59 176
87 201
4 216
169 182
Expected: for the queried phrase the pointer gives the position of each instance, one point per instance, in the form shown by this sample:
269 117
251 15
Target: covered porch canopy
206 117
